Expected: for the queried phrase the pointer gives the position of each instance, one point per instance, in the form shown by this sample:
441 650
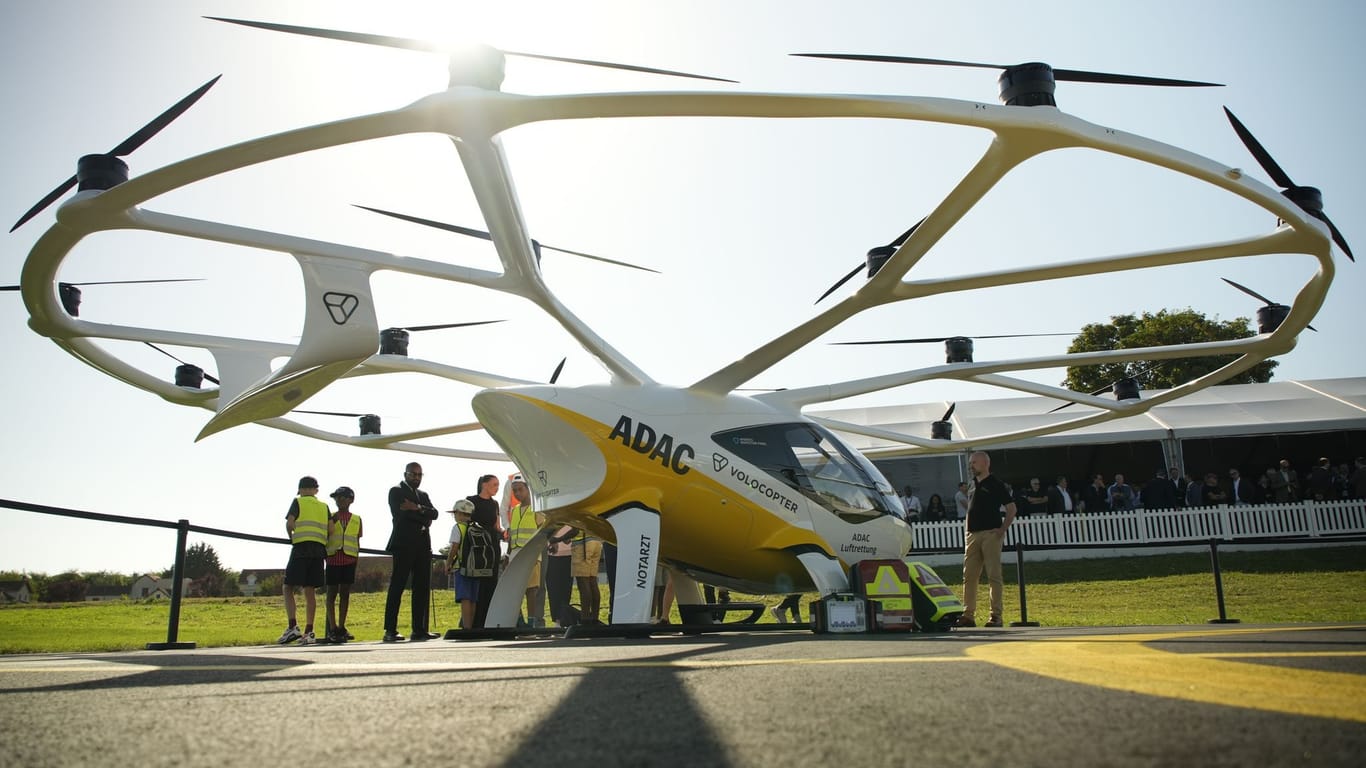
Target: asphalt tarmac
1139 696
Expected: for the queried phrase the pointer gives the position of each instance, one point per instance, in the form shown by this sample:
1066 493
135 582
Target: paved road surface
1151 696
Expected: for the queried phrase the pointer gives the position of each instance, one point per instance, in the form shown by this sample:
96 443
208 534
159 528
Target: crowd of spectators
1280 483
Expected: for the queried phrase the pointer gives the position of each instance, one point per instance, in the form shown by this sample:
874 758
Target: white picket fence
1310 519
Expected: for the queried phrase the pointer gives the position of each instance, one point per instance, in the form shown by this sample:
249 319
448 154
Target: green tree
69 587
1153 330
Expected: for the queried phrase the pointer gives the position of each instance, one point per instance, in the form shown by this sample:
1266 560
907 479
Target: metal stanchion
177 586
1020 579
1218 584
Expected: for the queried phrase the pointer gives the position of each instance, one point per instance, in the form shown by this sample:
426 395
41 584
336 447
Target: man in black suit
1240 490
1060 498
410 546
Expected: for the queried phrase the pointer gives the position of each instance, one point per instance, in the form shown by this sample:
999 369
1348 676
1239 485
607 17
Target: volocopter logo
718 462
340 306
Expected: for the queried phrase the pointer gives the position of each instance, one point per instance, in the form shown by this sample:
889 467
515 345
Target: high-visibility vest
311 524
523 526
453 556
347 539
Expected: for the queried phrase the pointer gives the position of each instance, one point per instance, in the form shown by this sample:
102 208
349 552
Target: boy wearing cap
343 552
307 523
466 589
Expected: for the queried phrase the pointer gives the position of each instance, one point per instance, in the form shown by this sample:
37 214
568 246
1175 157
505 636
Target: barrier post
177 587
1218 584
1020 580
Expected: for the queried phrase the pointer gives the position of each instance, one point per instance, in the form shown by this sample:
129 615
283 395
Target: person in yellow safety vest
466 589
306 523
522 525
343 553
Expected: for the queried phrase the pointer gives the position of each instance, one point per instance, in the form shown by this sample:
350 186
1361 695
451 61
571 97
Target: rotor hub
958 350
941 430
1270 317
100 172
1308 198
1126 389
187 375
393 341
71 298
480 66
877 257
1028 85
369 424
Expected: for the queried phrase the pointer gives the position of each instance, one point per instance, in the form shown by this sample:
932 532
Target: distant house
149 587
105 593
249 583
16 591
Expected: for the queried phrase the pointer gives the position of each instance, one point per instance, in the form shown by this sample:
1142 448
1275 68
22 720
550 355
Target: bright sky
748 220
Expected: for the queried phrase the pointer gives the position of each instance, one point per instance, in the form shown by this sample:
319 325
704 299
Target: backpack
479 550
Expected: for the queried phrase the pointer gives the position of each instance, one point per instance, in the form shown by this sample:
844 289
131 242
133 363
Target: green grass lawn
1319 584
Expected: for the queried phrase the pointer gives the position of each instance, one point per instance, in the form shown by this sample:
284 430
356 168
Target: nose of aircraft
549 443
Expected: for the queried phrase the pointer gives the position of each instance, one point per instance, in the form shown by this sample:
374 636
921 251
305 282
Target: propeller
1125 388
70 293
943 429
369 422
1029 84
876 258
957 349
554 377
394 341
482 235
105 171
493 68
1310 199
200 371
1269 317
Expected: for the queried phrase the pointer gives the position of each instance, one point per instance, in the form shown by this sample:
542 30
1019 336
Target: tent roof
1228 410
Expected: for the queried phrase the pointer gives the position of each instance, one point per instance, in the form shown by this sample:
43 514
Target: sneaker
308 639
290 635
994 621
778 615
965 621
337 635
343 631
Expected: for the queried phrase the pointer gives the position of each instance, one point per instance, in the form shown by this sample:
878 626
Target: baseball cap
343 491
463 505
519 479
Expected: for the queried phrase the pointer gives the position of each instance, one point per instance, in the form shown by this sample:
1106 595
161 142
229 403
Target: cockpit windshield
812 461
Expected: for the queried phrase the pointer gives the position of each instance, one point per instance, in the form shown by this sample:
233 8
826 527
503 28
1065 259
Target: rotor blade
611 65
164 119
1339 239
1080 76
133 282
61 189
1273 170
899 60
840 282
1249 291
336 34
435 47
482 235
598 258
905 235
554 377
9 287
932 339
949 412
329 413
1100 391
178 360
413 328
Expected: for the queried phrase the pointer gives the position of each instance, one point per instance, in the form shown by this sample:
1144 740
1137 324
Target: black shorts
304 571
341 574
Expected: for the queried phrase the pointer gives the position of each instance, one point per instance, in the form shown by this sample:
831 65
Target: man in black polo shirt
987 497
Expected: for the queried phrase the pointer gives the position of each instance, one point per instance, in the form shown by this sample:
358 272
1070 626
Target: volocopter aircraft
739 490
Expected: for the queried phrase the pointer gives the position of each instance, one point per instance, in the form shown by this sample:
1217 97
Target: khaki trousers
982 549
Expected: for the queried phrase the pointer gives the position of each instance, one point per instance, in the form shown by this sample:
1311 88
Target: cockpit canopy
811 460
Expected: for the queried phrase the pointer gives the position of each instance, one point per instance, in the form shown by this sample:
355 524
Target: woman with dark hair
485 514
935 509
